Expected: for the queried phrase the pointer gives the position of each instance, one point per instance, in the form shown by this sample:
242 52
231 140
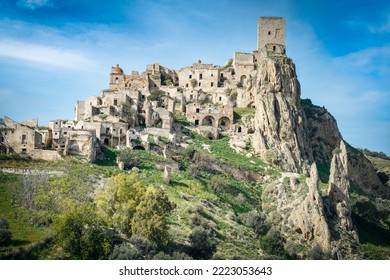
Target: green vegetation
156 95
238 113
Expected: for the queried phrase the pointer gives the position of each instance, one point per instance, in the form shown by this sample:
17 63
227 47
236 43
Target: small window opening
269 32
197 110
115 102
274 48
196 122
200 76
212 84
190 76
220 98
116 81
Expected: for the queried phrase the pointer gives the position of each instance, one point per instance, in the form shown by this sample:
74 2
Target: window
142 97
65 132
186 85
200 76
107 130
269 32
212 75
200 84
24 150
220 98
197 110
190 77
212 84
196 122
24 138
115 102
221 75
116 81
274 48
239 130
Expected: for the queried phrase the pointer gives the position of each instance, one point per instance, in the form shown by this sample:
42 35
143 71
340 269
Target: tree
5 234
151 217
202 243
273 244
81 235
117 201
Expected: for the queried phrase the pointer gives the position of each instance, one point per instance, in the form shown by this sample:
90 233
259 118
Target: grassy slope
23 233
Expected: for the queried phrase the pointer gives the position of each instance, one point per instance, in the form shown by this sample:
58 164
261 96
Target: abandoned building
137 107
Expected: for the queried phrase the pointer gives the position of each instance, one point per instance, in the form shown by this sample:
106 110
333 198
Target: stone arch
139 147
208 121
224 123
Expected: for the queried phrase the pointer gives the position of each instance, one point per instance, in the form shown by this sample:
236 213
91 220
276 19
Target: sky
55 52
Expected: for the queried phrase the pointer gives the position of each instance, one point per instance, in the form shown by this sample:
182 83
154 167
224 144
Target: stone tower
271 34
116 77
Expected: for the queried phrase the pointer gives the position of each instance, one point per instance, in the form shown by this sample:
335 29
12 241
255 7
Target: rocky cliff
280 124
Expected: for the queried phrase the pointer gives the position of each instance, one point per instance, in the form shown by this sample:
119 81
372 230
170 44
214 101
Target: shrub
219 183
5 234
129 158
273 244
156 95
144 246
194 82
125 251
257 222
203 243
239 85
316 253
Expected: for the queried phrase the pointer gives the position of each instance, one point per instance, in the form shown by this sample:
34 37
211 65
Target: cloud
45 55
375 59
384 28
34 4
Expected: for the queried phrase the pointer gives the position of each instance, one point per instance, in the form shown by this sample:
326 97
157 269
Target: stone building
271 34
19 137
199 76
210 114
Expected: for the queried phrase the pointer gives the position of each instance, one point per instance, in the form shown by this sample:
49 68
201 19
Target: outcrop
280 135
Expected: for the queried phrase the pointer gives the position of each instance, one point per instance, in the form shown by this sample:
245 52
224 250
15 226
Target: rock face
280 122
309 218
325 137
338 190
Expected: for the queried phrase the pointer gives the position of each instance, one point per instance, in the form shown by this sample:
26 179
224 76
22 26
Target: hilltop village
138 109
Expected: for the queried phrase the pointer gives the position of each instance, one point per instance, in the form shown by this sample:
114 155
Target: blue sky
54 52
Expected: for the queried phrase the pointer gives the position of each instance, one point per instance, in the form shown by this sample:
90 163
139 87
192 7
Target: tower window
116 81
269 32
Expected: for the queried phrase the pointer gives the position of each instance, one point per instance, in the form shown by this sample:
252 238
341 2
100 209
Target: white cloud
34 4
45 55
375 59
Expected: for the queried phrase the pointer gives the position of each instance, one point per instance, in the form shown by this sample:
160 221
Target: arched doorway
106 141
208 121
224 123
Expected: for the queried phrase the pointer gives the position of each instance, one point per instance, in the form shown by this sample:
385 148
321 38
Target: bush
174 256
5 234
257 222
156 95
202 243
144 246
129 158
125 251
273 244
219 183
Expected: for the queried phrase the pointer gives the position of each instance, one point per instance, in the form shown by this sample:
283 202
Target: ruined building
138 107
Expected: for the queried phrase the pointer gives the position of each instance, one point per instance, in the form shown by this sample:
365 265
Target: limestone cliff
309 218
338 190
280 136
325 138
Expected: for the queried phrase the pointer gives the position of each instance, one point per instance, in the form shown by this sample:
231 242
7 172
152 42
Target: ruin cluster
139 109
